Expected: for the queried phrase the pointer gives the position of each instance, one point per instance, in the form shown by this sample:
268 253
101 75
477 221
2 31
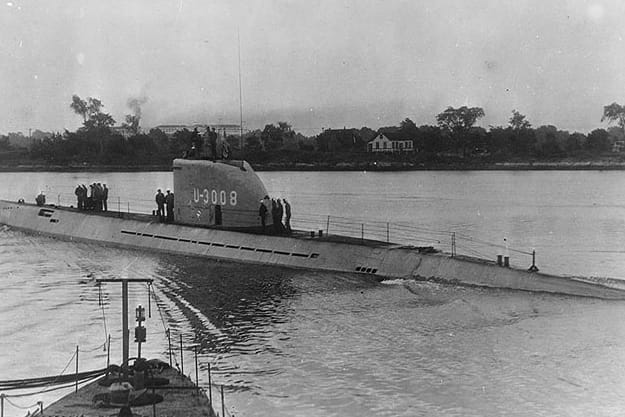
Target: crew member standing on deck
212 137
105 197
262 212
169 202
41 199
280 215
78 192
160 205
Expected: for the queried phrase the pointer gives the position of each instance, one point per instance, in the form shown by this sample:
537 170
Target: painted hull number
215 197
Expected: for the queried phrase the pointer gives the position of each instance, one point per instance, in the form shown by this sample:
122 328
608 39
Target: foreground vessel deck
181 398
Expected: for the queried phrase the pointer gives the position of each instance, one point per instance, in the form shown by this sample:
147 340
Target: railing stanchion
328 226
388 233
197 378
108 355
181 356
362 231
169 343
453 244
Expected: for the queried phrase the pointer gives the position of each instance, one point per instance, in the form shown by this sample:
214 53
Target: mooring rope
49 380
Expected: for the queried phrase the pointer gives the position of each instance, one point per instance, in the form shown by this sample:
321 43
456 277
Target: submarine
216 215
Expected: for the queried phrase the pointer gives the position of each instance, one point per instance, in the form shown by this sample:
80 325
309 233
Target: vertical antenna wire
240 92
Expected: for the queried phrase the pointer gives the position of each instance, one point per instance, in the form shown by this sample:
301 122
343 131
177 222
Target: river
285 342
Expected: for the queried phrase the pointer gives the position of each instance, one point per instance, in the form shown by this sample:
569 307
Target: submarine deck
298 234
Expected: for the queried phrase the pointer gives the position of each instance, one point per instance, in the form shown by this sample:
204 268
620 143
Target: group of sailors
274 209
165 201
95 198
217 147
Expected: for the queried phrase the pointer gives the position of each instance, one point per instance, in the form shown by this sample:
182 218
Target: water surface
286 342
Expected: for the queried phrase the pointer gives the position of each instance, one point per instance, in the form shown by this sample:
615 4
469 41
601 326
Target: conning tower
224 193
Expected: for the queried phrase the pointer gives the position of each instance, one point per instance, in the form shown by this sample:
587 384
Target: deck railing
448 241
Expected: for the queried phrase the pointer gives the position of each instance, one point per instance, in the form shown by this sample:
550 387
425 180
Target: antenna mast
240 93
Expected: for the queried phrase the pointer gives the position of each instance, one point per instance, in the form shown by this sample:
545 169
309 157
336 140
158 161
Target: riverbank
344 166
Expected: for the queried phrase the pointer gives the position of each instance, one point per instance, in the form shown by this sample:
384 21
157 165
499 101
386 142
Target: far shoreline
345 167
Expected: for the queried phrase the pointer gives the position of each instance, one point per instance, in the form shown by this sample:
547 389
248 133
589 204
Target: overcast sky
313 63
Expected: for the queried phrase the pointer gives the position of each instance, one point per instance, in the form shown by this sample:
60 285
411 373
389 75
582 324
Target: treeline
454 138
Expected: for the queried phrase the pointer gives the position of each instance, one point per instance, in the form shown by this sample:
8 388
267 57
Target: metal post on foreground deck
76 368
223 406
210 386
328 226
1 405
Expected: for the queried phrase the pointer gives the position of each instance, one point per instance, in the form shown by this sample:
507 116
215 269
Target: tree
459 120
518 121
252 144
273 137
131 124
598 141
91 112
95 122
99 121
408 127
79 106
614 113
458 123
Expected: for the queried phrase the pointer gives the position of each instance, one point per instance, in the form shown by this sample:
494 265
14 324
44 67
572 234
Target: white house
390 142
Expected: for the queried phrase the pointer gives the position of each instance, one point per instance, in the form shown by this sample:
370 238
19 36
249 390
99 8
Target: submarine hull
377 259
